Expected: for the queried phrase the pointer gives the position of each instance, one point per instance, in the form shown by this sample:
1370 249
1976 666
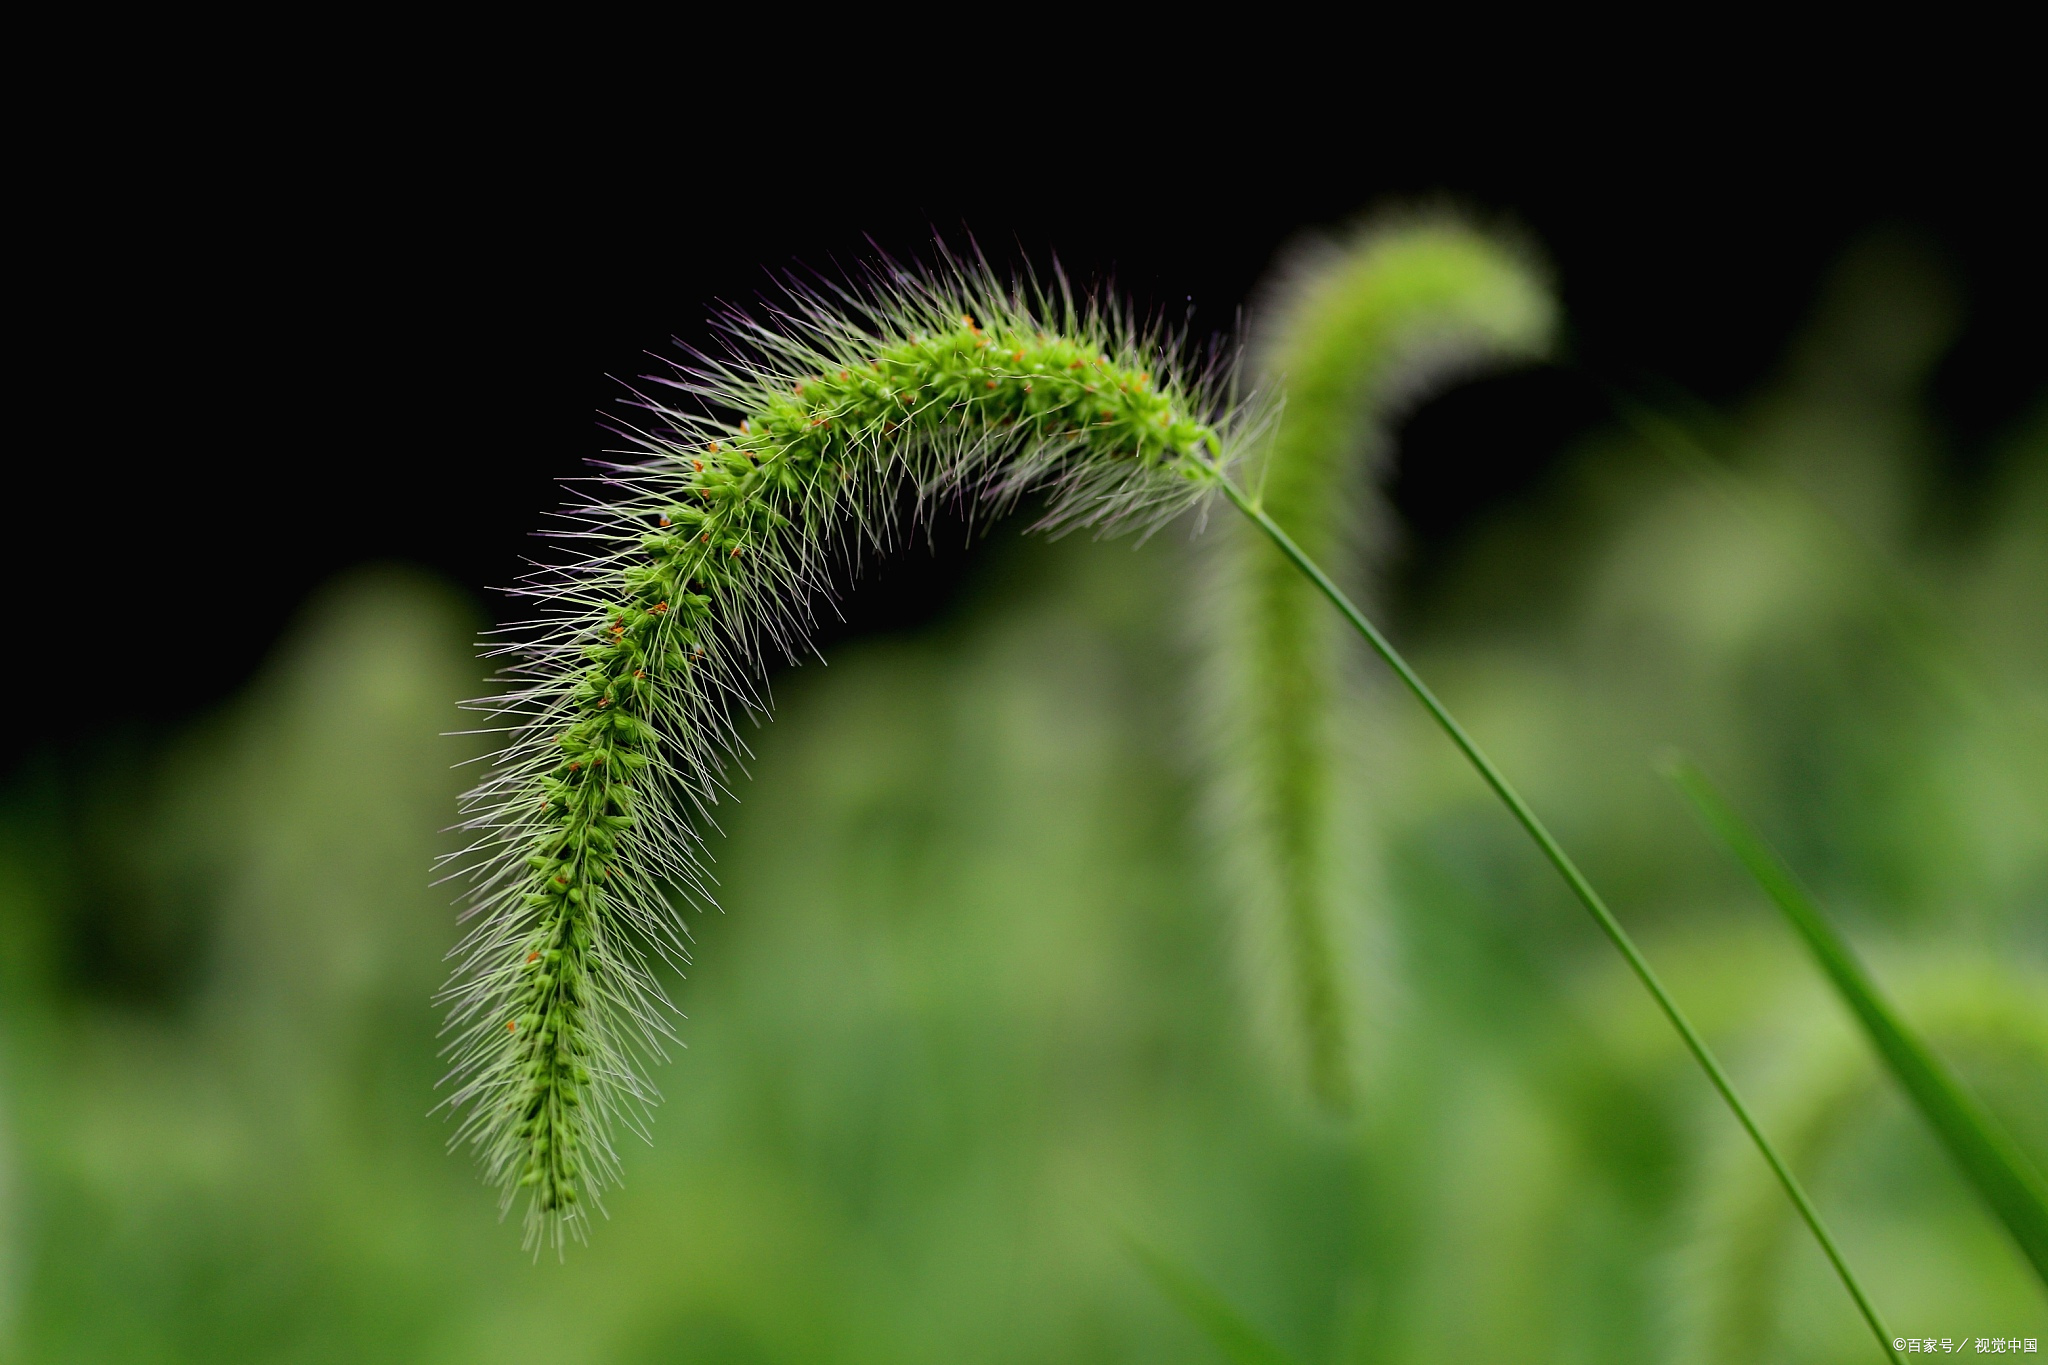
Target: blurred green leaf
1987 1156
1204 1306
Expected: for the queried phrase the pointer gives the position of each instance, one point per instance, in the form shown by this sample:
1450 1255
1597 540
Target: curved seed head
623 692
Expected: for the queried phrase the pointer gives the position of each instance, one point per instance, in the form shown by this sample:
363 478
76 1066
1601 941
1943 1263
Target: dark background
278 351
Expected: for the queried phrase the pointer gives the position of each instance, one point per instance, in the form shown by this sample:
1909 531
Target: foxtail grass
1347 336
704 554
689 564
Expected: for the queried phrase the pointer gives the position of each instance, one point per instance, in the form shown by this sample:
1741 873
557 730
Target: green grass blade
1204 1306
1992 1162
1580 887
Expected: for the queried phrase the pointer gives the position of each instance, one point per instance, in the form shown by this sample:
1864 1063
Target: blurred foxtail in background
1347 336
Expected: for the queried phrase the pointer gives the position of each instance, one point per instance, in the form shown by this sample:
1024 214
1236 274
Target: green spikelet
689 565
1351 333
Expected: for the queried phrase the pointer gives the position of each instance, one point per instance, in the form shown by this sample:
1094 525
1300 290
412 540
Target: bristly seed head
625 691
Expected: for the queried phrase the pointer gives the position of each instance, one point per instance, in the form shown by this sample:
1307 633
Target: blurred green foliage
968 1019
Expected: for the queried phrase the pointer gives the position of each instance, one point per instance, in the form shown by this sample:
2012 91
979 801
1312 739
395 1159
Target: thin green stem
1581 888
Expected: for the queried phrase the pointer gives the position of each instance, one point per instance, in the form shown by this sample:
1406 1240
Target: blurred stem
1206 1308
1581 888
1987 1155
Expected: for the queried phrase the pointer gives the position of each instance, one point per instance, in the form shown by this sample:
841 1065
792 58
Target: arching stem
1581 888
